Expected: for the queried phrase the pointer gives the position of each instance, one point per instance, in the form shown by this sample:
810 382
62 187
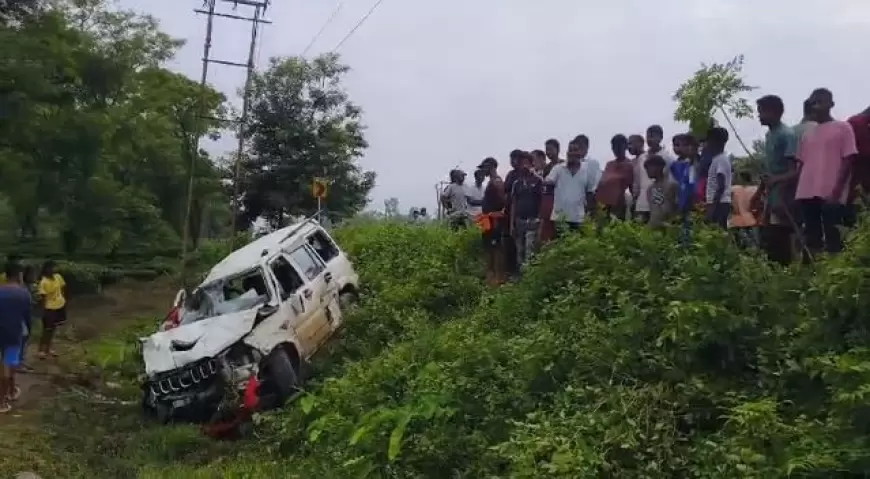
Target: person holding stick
779 180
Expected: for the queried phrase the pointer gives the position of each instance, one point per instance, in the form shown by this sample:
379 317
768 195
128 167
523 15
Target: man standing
617 177
860 186
525 199
718 188
574 184
474 193
827 153
778 182
14 319
510 247
548 228
654 137
806 123
492 222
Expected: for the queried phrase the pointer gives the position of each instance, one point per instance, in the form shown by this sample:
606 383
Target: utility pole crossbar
209 9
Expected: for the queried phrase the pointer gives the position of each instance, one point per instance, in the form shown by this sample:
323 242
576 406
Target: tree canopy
98 137
302 126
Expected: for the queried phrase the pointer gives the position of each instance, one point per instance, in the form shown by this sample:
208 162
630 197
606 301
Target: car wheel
346 300
282 375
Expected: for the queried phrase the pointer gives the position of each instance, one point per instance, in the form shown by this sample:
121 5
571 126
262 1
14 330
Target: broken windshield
225 296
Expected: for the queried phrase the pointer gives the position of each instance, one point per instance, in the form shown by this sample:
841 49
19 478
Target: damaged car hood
178 347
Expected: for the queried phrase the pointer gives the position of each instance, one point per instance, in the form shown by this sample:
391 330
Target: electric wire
324 27
358 25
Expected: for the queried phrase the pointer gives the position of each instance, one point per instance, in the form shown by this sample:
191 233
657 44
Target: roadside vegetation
619 355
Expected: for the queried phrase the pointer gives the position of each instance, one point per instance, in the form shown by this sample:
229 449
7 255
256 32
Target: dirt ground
89 317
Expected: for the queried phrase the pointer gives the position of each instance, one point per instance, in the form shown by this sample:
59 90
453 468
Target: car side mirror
297 304
265 311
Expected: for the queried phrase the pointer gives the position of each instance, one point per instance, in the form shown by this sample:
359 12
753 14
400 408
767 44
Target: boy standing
654 138
525 201
718 188
455 200
661 194
744 215
14 318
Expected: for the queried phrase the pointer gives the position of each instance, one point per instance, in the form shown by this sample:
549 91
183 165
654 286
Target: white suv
259 315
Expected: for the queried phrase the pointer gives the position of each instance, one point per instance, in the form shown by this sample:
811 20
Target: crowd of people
21 293
813 176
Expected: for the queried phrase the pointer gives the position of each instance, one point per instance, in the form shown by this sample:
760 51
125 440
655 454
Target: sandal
4 408
53 354
41 355
16 394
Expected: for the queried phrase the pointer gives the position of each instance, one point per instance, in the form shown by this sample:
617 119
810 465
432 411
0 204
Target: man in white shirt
718 192
654 137
474 193
574 183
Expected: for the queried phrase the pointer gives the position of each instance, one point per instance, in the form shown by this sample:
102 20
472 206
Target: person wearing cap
455 200
492 222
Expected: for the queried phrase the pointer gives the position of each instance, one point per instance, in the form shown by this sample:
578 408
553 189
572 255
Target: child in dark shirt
525 200
662 193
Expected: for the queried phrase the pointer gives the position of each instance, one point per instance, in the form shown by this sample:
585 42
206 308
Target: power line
359 24
323 27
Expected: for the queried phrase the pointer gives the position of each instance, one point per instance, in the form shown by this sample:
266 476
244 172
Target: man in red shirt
861 171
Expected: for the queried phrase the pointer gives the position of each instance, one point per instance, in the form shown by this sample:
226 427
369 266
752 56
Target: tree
302 126
96 137
715 88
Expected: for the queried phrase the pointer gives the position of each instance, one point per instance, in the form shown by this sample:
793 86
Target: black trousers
776 241
822 222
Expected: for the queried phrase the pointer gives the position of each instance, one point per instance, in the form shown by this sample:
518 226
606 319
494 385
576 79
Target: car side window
288 278
323 246
310 265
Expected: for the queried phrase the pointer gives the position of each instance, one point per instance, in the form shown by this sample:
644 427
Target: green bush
616 355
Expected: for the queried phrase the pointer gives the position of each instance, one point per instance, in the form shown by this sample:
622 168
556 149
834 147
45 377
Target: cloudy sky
449 82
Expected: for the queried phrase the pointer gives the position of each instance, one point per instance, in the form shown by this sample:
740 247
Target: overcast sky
450 82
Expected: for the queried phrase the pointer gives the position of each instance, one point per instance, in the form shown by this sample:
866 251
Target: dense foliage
98 139
619 355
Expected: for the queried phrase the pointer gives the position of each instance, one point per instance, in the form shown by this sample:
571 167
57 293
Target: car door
318 293
336 260
293 308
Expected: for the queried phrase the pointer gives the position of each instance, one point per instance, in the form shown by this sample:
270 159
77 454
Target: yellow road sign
318 188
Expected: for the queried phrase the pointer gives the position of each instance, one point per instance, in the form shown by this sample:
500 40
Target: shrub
616 355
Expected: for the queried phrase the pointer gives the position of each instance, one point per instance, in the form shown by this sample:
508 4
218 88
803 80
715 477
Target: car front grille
186 378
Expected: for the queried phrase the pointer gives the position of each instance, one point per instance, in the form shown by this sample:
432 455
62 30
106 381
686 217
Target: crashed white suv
261 313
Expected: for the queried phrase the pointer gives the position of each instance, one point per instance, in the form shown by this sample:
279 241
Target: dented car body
259 315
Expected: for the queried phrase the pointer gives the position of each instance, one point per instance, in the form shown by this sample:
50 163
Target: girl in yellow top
52 288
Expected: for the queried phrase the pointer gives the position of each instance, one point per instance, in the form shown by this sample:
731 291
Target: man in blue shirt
14 322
